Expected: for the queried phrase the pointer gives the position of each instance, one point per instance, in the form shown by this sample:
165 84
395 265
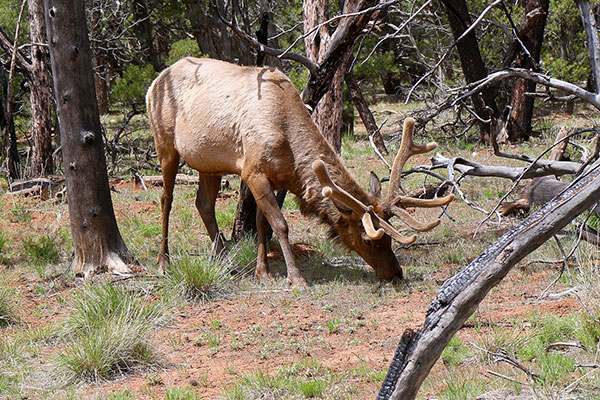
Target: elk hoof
264 276
297 282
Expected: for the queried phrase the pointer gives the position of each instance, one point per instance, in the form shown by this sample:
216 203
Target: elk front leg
169 166
208 189
262 267
267 203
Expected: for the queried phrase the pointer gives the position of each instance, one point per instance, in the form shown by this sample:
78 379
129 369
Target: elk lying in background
226 119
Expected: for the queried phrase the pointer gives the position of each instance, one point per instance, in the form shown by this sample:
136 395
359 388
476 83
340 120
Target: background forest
467 73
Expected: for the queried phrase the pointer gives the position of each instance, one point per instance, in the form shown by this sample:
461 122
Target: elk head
368 232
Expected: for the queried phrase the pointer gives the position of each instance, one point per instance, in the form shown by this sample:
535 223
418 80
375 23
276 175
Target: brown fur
250 121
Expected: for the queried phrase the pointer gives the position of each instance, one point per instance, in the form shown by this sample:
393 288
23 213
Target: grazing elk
250 121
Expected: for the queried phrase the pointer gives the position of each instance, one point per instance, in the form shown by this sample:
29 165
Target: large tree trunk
97 241
212 35
460 296
41 104
328 113
472 64
521 105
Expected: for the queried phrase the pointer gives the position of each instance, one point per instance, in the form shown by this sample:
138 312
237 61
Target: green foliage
183 48
179 393
132 86
198 278
108 332
564 52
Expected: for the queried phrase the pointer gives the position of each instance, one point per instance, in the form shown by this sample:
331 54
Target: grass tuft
198 278
108 333
8 312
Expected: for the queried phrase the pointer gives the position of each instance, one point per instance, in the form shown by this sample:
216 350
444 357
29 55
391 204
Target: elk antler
373 224
393 200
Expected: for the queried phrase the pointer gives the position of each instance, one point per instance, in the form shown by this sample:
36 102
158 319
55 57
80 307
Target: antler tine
371 221
331 190
407 149
405 201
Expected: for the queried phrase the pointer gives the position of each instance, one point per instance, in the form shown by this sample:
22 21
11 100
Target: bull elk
250 121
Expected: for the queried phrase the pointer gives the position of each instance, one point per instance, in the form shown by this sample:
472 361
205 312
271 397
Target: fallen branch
157 180
460 296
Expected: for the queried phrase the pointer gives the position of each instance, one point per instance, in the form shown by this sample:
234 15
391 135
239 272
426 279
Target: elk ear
374 185
346 212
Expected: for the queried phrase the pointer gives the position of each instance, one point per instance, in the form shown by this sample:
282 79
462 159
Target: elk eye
366 240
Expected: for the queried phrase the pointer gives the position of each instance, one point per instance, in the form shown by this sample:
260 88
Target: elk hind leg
267 203
208 189
169 166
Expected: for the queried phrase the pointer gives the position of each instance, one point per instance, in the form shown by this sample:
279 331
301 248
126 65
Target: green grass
198 277
304 380
109 332
455 352
179 393
42 251
8 309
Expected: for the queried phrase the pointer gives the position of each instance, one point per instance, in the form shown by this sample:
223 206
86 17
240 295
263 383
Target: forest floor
334 340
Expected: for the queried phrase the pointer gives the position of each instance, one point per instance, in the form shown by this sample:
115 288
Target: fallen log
157 180
460 296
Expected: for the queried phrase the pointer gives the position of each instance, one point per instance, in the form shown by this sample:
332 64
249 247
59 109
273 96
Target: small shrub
198 278
109 332
455 353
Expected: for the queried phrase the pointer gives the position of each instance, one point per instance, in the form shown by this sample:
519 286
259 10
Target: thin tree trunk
97 242
521 105
41 114
143 28
9 138
460 296
472 64
365 114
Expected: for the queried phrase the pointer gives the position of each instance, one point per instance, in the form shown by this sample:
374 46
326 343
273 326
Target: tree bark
212 35
41 103
97 241
521 105
472 64
588 19
460 296
328 112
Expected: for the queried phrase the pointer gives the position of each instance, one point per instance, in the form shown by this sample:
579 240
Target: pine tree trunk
41 114
521 105
97 242
472 64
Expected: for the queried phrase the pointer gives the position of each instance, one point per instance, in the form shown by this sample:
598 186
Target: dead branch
469 90
460 296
